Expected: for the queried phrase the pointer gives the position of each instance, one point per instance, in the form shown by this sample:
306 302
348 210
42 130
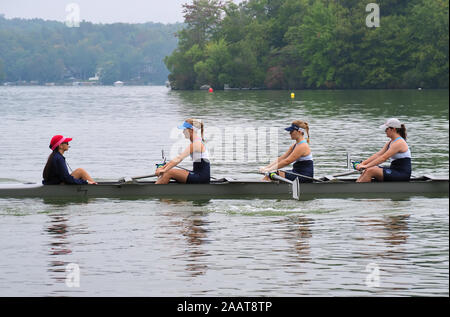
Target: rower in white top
396 149
197 150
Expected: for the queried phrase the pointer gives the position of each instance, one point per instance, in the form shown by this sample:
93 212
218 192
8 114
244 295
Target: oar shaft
304 176
144 176
130 179
346 173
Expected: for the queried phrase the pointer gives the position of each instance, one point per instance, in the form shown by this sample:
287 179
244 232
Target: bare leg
174 173
80 173
372 172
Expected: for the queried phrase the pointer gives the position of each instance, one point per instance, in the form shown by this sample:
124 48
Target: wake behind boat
234 189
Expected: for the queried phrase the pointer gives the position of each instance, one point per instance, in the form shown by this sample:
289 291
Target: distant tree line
299 44
49 51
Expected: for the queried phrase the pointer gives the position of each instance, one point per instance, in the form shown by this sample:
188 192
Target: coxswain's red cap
57 140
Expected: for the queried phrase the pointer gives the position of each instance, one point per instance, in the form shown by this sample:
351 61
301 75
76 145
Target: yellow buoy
292 95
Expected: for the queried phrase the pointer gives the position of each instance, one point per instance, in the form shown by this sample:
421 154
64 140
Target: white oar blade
296 189
128 179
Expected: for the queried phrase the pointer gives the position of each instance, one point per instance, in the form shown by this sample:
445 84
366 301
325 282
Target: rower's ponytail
402 131
304 125
201 129
307 131
48 166
197 123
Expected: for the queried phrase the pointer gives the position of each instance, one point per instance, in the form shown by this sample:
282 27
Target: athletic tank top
400 155
198 156
303 158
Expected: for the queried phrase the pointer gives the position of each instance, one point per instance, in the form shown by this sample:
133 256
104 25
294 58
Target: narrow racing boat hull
228 190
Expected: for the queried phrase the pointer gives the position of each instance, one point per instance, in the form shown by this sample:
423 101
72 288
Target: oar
295 184
131 179
304 176
333 177
347 173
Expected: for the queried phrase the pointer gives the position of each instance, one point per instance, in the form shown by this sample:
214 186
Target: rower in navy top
299 153
55 171
199 154
396 149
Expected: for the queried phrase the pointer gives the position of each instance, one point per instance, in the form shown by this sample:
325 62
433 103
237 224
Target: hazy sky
98 11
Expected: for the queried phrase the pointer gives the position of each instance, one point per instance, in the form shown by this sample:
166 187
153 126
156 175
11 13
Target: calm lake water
152 247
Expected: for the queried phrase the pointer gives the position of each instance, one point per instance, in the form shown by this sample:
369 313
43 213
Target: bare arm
285 160
299 151
174 162
384 156
373 157
274 164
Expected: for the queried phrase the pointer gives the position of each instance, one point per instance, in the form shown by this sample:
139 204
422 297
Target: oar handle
275 176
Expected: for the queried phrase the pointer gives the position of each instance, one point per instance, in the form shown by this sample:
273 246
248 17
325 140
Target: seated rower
396 149
55 171
198 153
298 153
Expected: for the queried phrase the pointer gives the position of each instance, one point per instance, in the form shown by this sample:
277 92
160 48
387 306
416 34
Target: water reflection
302 236
397 228
188 230
194 229
299 234
58 230
392 230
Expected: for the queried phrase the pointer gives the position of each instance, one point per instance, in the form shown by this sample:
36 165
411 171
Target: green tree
202 19
429 44
49 51
314 41
213 70
286 44
110 72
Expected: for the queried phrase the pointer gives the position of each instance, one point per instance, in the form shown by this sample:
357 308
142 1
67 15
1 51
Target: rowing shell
224 189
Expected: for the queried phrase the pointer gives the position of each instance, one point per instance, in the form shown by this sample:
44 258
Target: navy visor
292 128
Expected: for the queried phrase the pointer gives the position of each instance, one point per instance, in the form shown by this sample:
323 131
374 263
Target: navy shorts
305 168
201 173
399 171
395 175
